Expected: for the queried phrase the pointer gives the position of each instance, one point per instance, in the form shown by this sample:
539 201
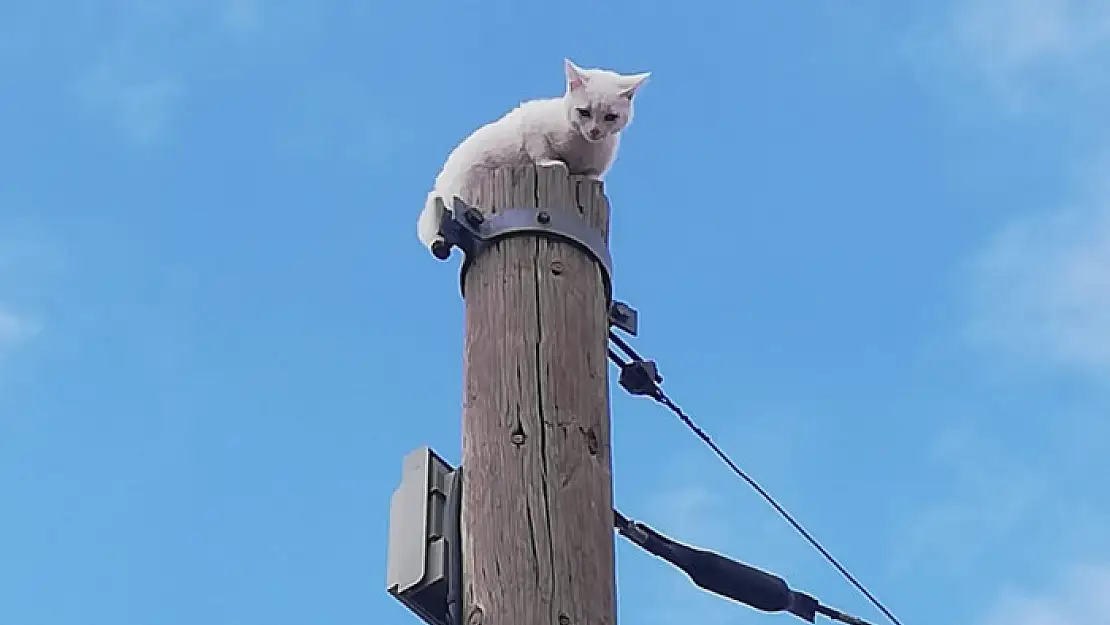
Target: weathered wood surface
537 501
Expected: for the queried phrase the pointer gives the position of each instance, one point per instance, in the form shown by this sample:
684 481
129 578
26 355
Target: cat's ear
629 84
576 77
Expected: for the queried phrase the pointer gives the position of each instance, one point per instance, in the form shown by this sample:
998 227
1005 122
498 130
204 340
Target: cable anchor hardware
624 318
639 376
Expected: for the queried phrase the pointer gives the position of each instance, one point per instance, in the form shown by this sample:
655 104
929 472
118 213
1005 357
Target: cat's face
599 102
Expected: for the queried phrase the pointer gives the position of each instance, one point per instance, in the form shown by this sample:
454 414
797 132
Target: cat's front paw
550 162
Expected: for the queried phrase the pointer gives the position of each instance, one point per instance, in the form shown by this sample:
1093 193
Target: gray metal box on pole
417 559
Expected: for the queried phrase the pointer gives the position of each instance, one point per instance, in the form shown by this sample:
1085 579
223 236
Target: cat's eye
585 113
611 117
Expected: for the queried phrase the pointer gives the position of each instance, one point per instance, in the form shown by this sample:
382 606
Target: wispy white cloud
988 497
1023 51
687 509
15 329
690 511
29 262
1080 597
1011 39
1039 287
139 101
1042 285
242 17
997 487
139 71
699 502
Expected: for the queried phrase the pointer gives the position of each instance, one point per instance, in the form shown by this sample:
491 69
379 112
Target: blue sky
870 245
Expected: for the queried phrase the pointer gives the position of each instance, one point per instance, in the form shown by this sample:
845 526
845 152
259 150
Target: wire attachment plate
624 318
466 228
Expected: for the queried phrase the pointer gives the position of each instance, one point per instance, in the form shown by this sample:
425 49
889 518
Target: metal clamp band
466 228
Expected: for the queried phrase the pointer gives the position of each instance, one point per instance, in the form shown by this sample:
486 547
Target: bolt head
440 249
474 218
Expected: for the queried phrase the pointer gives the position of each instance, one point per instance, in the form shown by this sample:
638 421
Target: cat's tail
427 226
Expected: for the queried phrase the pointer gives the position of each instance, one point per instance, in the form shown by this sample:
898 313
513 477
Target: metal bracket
624 318
466 228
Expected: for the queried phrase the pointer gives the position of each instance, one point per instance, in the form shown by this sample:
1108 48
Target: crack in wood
537 520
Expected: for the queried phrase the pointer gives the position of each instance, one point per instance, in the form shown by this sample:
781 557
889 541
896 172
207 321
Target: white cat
579 131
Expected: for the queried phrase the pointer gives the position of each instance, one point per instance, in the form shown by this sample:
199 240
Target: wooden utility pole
537 519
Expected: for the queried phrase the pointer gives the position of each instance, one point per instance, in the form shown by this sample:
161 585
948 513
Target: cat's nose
595 133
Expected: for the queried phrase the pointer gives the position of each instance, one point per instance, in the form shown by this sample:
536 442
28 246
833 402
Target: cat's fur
580 131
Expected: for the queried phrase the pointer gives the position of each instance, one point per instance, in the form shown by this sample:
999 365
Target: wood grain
537 501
